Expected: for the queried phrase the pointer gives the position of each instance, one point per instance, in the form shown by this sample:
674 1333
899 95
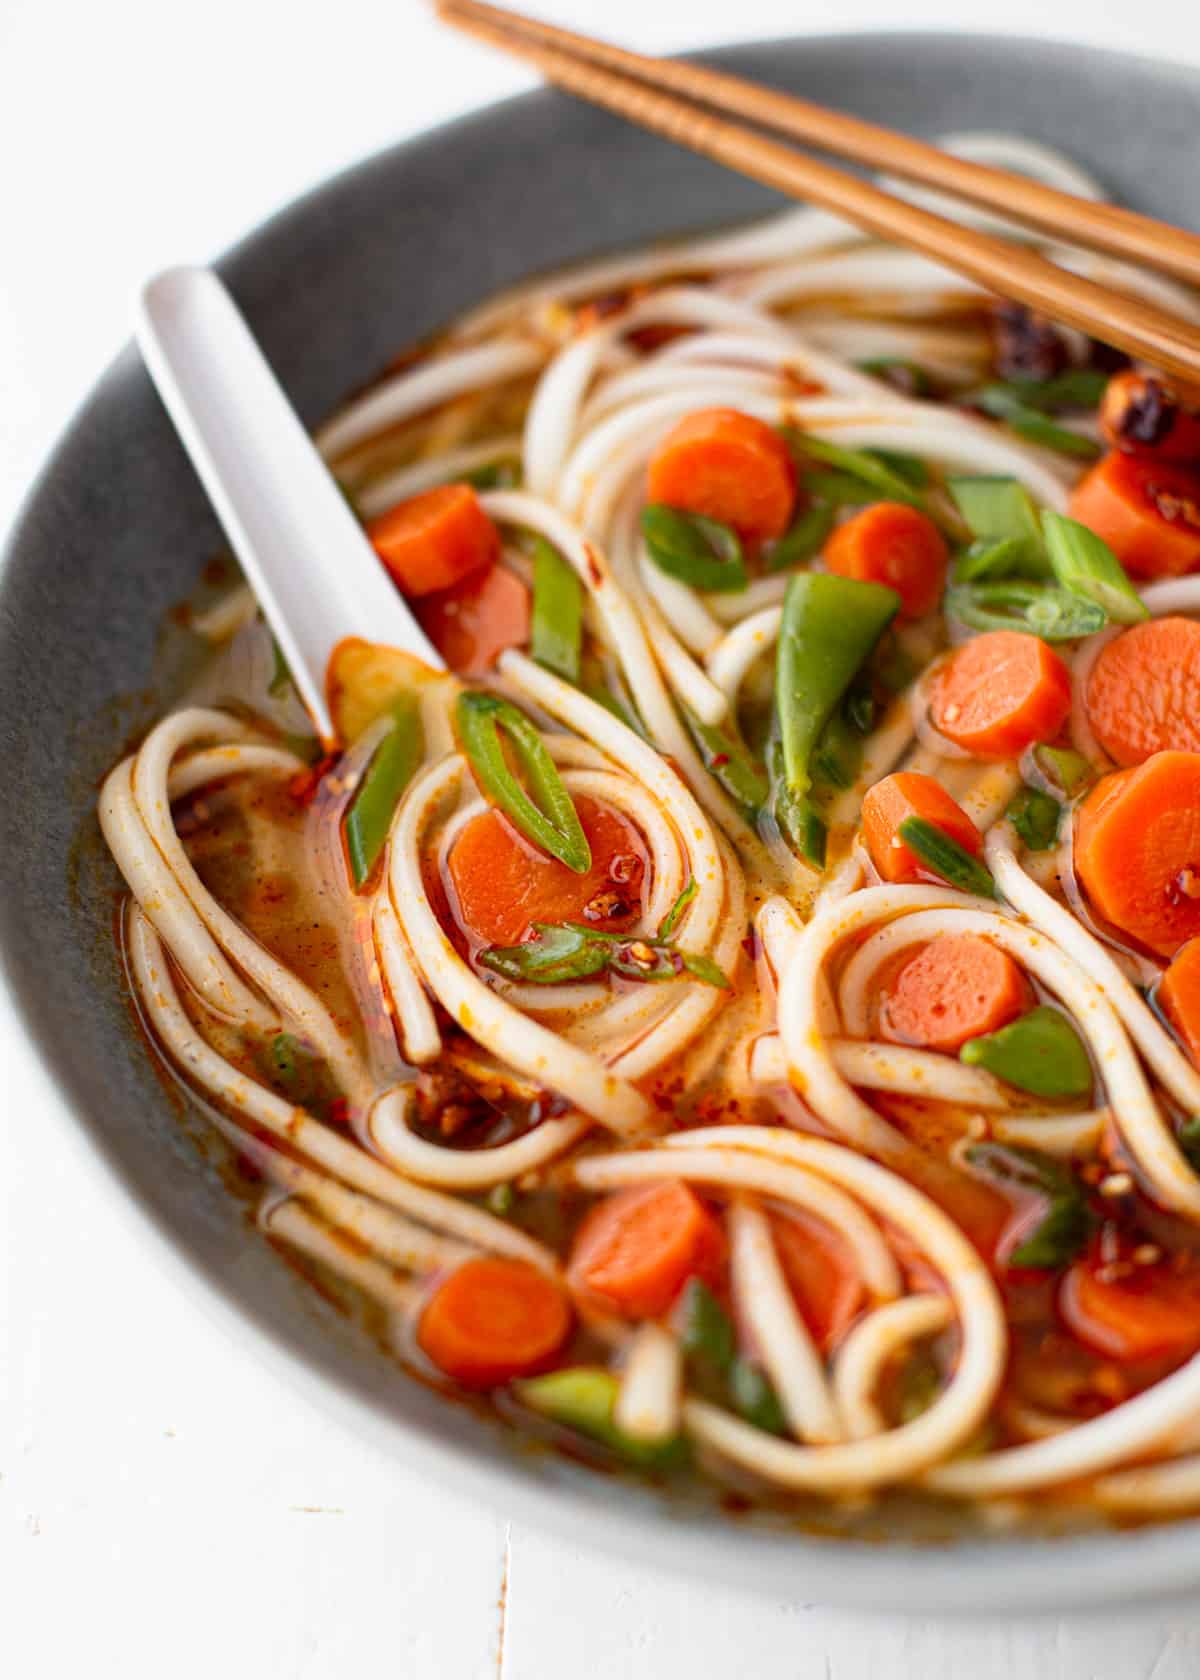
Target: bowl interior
117 530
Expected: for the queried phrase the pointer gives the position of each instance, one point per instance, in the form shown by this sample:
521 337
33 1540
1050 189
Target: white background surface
166 1507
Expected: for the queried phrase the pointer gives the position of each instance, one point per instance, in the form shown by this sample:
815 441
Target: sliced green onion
910 468
1005 558
945 857
393 765
557 955
1075 388
830 627
837 489
1084 564
552 822
1068 770
293 1068
915 382
556 625
706 1335
499 1200
1035 817
806 537
1068 1221
1040 1053
1056 615
671 920
584 1398
870 468
728 759
999 510
698 551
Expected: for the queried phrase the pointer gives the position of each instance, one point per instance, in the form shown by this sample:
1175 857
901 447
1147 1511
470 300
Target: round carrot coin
1143 692
727 466
955 988
999 693
1137 850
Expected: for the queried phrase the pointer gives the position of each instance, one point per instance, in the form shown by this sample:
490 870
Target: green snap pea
584 1398
556 622
549 818
698 551
1040 1053
945 857
393 765
805 537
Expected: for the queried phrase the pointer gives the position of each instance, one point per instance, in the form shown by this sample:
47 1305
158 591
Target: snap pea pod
945 857
583 1398
393 765
551 822
556 624
698 551
1084 564
1040 1053
830 628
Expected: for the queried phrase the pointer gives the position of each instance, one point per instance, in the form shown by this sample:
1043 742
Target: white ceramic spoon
317 578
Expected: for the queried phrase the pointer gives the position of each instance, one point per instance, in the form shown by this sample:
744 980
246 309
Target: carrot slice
999 693
898 797
1148 512
893 544
1178 996
500 884
1137 850
1148 1312
472 624
818 1264
955 988
1143 692
727 466
434 540
637 1249
494 1319
1141 415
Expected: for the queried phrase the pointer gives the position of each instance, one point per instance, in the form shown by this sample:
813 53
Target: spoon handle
317 578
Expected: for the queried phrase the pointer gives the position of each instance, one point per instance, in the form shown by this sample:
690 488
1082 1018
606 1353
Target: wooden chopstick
1102 227
1139 328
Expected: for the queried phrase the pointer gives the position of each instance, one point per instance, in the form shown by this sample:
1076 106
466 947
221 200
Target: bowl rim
970 1577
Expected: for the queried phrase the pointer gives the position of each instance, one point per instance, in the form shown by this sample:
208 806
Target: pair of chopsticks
692 105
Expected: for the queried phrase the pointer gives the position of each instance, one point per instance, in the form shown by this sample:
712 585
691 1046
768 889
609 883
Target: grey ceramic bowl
116 531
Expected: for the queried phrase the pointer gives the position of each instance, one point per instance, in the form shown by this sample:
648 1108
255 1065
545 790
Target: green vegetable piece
698 551
557 954
393 764
556 624
281 674
1068 1221
284 1053
671 920
504 473
293 1069
728 759
806 536
837 489
945 857
838 755
1035 816
1068 770
1040 1053
584 1398
552 822
499 1200
906 376
869 468
1188 1139
706 1336
1008 403
802 826
1055 615
1084 564
754 1397
988 559
997 511
830 628
704 968
910 468
1077 388
920 1385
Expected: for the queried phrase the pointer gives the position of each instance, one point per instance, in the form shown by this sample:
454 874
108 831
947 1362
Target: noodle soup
740 1019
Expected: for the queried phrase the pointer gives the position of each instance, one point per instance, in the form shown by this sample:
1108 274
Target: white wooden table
166 1507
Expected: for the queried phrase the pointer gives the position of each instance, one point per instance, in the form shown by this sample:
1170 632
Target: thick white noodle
875 1066
868 1346
521 1043
651 1392
352 1165
765 1306
379 494
419 1036
391 1133
291 1221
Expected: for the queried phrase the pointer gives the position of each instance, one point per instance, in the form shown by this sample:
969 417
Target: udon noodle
707 1018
